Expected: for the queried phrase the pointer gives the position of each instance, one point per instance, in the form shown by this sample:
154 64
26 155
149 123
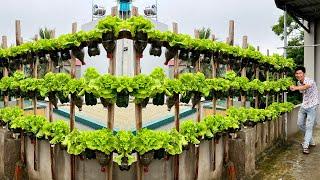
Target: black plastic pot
122 99
42 58
124 164
249 123
156 48
65 55
186 98
184 55
158 100
105 102
39 97
4 62
108 41
2 123
90 99
141 36
145 102
159 154
13 64
102 158
141 41
147 158
140 45
186 147
78 101
170 53
79 54
207 56
53 99
209 97
88 154
55 57
62 98
170 100
93 49
194 57
196 99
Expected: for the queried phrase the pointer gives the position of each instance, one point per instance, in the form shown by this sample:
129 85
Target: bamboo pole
176 106
72 105
111 107
5 71
244 69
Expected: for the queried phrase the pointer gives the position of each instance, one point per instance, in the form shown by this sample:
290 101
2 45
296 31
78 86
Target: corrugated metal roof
305 9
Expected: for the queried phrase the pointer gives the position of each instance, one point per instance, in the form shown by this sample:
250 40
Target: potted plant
174 88
143 86
123 86
146 142
125 144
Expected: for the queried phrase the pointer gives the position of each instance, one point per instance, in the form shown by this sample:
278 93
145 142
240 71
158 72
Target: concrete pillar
258 138
242 152
309 52
9 154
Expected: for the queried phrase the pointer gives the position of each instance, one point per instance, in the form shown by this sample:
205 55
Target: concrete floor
290 163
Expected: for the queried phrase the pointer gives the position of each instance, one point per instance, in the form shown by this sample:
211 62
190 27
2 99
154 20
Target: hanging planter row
109 29
149 144
111 89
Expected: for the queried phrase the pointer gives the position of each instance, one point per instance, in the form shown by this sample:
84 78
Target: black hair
303 69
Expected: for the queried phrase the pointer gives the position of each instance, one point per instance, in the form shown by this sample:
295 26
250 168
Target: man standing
308 110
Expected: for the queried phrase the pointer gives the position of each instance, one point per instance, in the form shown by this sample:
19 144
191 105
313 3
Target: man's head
299 73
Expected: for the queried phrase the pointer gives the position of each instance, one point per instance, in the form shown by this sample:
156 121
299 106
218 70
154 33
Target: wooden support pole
267 78
256 72
138 114
5 70
230 41
19 42
244 70
34 66
20 101
176 106
212 145
50 109
111 107
72 105
198 69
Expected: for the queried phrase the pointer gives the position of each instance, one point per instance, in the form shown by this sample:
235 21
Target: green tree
295 38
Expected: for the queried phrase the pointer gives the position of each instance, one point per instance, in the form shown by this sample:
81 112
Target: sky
253 18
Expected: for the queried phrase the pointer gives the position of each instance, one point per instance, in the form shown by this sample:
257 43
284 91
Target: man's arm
300 88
